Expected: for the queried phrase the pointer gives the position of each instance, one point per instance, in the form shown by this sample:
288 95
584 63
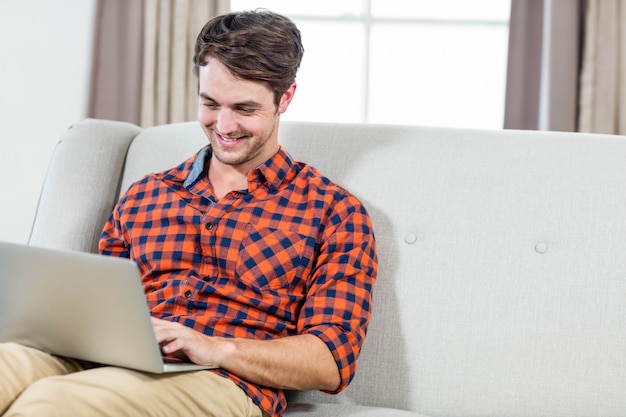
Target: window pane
457 80
312 8
331 79
469 10
430 62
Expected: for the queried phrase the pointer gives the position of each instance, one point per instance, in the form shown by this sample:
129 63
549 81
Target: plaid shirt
292 254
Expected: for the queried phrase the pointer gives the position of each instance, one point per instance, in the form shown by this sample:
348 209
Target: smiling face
239 117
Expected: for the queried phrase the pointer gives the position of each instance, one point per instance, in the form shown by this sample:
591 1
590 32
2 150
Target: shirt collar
197 169
271 174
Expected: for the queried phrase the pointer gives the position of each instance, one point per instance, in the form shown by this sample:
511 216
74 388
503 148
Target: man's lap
36 383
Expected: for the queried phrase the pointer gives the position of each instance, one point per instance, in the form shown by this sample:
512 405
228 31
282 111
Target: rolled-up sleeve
339 298
112 240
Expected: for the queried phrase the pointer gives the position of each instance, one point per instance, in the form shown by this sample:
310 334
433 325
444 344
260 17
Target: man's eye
210 105
246 111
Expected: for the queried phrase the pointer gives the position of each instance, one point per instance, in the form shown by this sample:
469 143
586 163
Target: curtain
603 78
115 90
169 88
543 65
524 65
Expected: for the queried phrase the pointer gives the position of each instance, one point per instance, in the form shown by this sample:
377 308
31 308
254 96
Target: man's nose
226 121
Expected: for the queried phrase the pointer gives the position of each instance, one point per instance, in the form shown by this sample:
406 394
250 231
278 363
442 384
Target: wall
44 84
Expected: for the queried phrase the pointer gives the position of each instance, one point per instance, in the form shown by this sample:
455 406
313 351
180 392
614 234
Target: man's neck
225 178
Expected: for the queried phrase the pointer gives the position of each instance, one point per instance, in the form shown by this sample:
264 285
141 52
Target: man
251 261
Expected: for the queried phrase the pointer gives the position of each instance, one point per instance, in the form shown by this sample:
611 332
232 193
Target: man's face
239 116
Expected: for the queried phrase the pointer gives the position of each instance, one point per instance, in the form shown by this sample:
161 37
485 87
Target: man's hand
183 342
299 362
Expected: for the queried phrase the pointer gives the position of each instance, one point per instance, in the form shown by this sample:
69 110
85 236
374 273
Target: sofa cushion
82 184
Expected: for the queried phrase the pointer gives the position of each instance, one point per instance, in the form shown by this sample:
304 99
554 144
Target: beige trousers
33 383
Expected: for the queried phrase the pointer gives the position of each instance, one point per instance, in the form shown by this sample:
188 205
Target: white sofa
502 284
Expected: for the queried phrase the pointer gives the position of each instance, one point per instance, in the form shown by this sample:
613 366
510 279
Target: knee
48 397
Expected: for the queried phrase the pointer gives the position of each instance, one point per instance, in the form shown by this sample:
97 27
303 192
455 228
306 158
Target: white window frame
368 21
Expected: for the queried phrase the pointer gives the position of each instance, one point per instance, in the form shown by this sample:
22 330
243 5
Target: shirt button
188 294
208 226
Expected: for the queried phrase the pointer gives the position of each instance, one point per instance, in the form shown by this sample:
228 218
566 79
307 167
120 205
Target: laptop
79 305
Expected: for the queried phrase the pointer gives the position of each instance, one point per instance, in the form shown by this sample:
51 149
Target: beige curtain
524 65
115 90
543 64
603 79
169 88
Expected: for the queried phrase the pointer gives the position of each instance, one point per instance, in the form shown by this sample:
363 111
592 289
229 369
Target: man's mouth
229 139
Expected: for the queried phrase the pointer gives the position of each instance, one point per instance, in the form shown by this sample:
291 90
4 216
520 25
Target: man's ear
286 98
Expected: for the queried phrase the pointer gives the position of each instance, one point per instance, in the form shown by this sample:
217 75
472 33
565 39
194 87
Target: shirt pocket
271 258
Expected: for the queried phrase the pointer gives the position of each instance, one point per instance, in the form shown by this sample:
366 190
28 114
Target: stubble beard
250 148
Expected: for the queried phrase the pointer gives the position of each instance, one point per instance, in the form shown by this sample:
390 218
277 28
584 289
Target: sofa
502 281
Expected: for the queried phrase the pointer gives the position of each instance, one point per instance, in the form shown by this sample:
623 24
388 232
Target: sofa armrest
83 180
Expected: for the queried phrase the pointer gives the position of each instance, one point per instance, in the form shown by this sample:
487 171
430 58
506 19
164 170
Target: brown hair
254 45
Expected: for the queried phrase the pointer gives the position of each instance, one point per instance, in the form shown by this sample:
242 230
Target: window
424 62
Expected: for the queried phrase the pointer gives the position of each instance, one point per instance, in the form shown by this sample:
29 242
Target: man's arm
300 362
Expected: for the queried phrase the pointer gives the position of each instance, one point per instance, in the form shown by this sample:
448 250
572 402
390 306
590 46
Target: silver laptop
79 305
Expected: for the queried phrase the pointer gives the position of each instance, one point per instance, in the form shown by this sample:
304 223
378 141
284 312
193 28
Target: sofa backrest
502 255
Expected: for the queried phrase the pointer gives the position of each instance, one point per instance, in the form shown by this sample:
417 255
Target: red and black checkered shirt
292 254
